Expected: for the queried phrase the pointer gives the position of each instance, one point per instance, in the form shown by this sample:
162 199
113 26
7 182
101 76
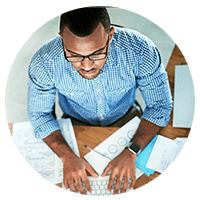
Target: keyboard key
94 182
102 187
98 192
96 187
104 182
99 182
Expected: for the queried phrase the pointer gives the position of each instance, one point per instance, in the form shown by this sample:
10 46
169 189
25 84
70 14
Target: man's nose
87 64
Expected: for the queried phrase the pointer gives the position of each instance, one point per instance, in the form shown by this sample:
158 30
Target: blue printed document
143 158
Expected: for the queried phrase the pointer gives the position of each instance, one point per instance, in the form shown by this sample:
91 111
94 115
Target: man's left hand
121 167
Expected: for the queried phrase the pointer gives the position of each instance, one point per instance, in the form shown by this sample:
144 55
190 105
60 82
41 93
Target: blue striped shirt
134 61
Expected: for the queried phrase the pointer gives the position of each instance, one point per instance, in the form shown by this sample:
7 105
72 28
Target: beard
89 74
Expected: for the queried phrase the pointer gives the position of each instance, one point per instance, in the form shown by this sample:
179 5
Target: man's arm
123 166
154 86
58 144
74 168
145 133
41 98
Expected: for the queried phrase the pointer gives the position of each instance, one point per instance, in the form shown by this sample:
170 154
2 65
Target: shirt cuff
46 129
158 116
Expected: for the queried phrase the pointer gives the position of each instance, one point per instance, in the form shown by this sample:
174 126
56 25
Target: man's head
86 32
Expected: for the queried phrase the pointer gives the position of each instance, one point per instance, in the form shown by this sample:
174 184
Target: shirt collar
110 62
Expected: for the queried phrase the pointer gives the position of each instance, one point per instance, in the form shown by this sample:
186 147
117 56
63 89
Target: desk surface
99 134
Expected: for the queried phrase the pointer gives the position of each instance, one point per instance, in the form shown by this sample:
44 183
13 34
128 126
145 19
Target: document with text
41 158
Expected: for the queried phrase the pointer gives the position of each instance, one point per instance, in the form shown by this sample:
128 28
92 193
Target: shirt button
100 102
98 90
102 117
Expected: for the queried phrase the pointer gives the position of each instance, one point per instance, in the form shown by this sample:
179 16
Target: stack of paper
164 152
38 154
143 158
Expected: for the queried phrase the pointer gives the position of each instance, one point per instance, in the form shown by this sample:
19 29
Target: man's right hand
74 170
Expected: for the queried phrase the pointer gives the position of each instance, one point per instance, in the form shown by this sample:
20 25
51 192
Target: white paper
180 142
38 154
68 134
183 97
112 146
163 154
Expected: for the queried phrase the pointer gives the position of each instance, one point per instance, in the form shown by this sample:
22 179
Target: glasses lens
91 57
74 59
97 56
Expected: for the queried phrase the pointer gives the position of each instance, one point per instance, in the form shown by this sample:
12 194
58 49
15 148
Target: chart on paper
112 146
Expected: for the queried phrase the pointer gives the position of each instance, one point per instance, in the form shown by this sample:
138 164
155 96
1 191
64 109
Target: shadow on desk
131 113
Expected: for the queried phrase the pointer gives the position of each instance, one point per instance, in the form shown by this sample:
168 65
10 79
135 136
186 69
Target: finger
133 181
118 185
86 182
106 170
125 185
79 186
72 186
65 182
91 171
111 181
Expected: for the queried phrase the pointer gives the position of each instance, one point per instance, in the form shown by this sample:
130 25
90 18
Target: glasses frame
88 56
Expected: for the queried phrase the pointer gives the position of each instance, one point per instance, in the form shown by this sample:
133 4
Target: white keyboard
99 186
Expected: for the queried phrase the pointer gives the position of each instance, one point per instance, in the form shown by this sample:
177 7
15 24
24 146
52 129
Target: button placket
99 99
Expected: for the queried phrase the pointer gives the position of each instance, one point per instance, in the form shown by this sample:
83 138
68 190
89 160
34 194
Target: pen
96 151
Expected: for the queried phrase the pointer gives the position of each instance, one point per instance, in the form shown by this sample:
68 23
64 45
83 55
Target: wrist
134 148
130 154
67 156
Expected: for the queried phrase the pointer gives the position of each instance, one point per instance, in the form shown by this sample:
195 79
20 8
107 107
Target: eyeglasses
93 57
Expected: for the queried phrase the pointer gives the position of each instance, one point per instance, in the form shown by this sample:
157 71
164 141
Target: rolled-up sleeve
41 99
153 84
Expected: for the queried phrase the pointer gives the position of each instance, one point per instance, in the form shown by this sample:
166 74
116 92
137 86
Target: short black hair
83 21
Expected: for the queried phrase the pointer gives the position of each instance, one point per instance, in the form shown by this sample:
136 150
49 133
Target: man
96 69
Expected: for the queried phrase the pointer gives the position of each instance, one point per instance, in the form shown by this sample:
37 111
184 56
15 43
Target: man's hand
74 170
121 167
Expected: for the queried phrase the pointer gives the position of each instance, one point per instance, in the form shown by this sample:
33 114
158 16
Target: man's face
96 42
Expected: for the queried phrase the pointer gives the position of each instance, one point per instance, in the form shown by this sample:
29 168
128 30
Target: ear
112 29
60 34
